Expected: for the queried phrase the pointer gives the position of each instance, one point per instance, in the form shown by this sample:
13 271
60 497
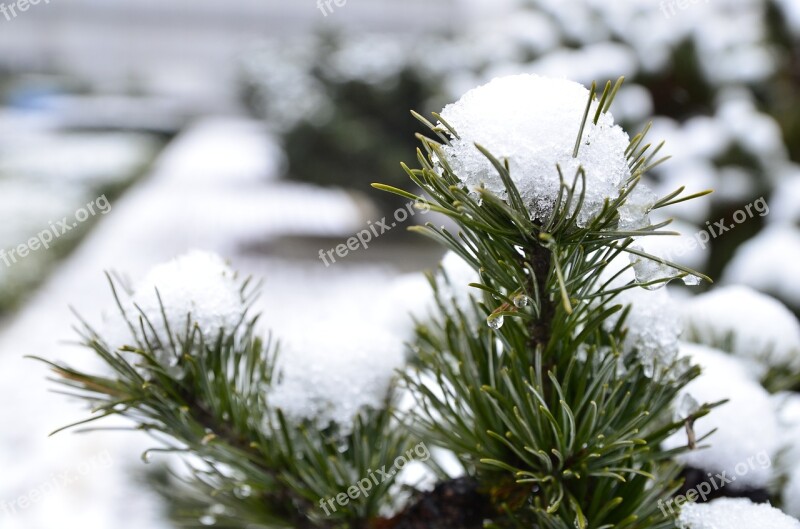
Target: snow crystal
755 325
747 436
768 262
332 375
534 122
199 284
634 214
652 327
734 513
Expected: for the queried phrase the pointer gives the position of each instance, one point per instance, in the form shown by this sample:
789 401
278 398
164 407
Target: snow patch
734 513
534 122
747 427
756 326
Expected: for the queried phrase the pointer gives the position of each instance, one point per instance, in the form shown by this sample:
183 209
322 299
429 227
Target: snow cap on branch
199 284
534 122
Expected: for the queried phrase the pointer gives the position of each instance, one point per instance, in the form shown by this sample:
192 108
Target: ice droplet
474 195
495 322
243 491
208 519
522 301
217 508
691 280
686 407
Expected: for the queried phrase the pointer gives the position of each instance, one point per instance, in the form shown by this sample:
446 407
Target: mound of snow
534 122
199 285
755 326
747 436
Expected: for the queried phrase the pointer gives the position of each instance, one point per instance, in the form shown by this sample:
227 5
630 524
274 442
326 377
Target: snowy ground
214 188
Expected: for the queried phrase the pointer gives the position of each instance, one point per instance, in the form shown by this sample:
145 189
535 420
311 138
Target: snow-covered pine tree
547 361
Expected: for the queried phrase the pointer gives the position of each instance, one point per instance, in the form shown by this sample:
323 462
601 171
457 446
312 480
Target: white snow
240 149
787 406
734 513
329 379
756 132
534 121
791 10
791 493
454 279
785 198
755 326
197 284
768 262
330 375
747 437
653 327
408 298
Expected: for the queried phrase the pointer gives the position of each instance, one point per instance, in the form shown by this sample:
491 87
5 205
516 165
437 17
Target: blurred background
253 128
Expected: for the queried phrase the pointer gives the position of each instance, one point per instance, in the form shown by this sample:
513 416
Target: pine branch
212 403
536 408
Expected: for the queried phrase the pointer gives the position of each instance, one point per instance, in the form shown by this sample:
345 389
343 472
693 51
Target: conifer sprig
252 467
558 423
